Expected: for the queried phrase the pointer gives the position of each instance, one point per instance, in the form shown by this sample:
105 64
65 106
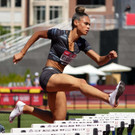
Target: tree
3 31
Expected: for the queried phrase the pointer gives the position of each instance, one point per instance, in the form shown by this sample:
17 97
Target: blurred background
112 28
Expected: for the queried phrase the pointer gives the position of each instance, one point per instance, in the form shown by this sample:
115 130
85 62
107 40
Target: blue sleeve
54 33
85 45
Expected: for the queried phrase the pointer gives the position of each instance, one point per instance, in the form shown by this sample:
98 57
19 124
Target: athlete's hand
112 55
17 57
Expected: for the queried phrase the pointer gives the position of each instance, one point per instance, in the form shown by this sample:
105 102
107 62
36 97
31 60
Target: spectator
36 79
28 80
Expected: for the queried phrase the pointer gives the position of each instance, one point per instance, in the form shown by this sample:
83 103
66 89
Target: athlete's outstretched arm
101 60
39 34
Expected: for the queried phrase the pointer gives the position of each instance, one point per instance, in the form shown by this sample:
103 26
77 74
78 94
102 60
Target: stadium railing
12 42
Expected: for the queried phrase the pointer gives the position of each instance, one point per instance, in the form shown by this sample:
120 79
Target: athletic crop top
59 50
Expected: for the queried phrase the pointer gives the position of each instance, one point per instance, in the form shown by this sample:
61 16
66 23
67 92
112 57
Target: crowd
29 81
35 82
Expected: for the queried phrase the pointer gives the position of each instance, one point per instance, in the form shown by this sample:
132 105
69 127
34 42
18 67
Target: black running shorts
45 76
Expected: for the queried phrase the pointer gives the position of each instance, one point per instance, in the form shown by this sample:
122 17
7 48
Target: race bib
66 57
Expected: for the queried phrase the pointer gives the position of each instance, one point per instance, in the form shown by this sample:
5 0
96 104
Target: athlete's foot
18 110
114 96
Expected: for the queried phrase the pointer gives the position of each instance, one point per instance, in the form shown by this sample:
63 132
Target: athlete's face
83 25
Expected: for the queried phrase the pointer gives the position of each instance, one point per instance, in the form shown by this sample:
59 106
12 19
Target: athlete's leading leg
69 83
66 82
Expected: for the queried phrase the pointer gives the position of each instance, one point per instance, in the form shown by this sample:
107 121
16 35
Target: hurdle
118 122
122 120
52 133
100 124
107 125
59 128
90 129
101 127
127 115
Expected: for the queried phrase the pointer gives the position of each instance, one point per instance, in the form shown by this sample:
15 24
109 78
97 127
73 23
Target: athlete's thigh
62 82
58 104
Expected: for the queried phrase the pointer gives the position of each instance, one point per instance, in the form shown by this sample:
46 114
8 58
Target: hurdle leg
121 128
107 132
130 128
95 131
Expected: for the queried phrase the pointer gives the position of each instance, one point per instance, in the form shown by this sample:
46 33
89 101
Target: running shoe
18 110
114 96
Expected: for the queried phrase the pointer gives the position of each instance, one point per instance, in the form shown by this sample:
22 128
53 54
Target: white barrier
90 125
114 119
85 129
52 133
121 120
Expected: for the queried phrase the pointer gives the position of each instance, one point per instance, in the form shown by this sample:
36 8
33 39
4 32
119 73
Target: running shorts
45 76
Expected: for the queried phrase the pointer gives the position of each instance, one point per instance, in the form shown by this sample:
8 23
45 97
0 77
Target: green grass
101 110
27 120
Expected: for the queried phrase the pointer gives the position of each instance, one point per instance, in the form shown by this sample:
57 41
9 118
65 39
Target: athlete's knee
81 83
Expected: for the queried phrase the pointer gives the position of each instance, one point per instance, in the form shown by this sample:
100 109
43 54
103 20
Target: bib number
67 57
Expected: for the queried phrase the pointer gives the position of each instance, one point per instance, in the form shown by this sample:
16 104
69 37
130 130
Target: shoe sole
121 89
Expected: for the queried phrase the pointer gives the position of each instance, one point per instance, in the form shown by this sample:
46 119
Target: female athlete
65 45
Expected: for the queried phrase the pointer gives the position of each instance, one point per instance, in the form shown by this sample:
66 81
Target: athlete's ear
76 22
